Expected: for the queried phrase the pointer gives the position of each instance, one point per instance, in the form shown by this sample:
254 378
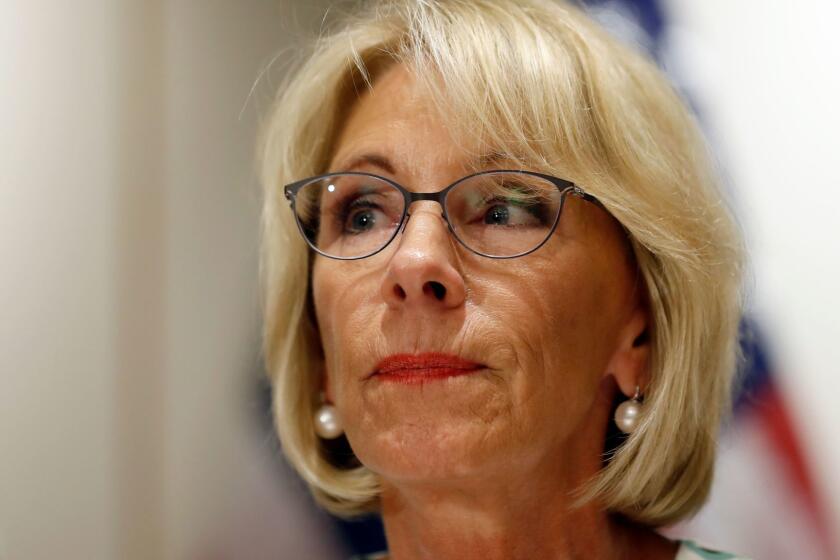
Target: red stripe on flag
779 429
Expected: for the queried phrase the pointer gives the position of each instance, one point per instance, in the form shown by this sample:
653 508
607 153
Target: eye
360 221
506 212
498 215
361 216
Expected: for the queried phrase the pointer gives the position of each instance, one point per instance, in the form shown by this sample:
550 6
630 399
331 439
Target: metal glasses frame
565 187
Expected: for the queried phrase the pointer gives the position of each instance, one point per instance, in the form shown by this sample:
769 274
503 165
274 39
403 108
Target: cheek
322 299
554 312
550 302
344 311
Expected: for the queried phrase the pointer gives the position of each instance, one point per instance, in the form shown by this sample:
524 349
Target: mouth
420 368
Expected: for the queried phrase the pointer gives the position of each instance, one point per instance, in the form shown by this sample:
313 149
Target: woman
497 381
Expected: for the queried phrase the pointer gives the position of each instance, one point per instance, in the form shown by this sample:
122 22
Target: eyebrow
375 160
495 159
383 163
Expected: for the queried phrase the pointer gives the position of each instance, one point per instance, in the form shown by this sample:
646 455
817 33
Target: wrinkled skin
558 331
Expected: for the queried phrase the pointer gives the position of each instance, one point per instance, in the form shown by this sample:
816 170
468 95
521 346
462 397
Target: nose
421 272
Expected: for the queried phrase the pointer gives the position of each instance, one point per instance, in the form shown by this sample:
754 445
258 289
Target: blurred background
133 413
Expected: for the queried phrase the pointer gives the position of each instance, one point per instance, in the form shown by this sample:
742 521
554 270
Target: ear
327 388
629 362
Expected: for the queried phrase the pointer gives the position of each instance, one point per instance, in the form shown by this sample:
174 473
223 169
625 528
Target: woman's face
548 329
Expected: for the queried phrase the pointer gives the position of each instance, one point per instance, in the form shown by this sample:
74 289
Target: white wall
56 288
768 78
128 291
221 495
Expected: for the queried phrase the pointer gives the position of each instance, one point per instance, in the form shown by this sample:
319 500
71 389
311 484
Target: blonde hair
537 80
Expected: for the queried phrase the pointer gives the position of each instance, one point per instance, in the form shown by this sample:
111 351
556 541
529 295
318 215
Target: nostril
437 289
399 291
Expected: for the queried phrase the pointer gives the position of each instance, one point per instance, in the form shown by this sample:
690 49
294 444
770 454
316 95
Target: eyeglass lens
500 214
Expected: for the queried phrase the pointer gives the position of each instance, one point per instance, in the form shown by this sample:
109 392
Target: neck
512 511
506 525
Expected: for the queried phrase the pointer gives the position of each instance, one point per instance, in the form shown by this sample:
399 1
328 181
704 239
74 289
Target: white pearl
327 422
627 415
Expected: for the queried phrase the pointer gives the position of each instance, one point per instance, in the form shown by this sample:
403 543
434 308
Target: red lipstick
419 368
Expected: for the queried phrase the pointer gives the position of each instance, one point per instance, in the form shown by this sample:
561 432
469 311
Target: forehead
398 119
397 95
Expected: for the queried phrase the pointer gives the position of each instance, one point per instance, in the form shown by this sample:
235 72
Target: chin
415 453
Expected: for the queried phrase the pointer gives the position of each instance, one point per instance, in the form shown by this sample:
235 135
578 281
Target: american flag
764 503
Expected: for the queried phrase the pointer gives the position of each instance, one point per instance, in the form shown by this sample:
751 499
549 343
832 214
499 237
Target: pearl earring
327 421
627 413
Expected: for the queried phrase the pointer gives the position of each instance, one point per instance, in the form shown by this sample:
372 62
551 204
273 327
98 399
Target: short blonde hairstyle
536 80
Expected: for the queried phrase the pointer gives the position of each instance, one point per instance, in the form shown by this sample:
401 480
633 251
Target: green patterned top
689 550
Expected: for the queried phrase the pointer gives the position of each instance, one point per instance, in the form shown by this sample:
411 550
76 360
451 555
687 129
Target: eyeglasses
500 214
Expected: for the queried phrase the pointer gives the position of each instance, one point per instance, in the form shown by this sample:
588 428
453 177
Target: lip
419 368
